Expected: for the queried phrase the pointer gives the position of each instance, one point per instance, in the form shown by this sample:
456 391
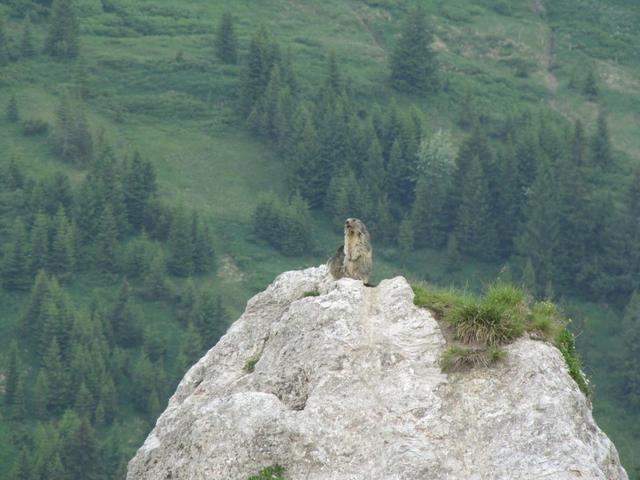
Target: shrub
311 293
250 364
566 343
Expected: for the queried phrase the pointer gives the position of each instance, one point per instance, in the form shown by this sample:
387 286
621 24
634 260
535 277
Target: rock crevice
348 386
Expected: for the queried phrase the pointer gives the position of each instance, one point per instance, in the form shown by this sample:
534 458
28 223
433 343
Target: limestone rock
346 385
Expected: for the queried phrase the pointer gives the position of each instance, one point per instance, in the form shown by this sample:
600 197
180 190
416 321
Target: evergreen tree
11 375
263 54
304 159
181 248
209 318
84 404
590 88
405 235
436 168
62 40
106 241
578 145
26 42
62 259
191 347
155 284
226 42
139 187
79 453
40 243
124 319
57 378
540 235
20 400
12 109
71 137
413 62
144 382
601 144
475 228
16 264
41 394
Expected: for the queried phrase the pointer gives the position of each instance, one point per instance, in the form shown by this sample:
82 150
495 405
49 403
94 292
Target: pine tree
155 284
436 168
413 62
40 243
601 144
106 241
578 145
475 228
71 137
209 318
12 374
41 395
226 42
57 378
79 447
124 319
20 400
191 347
26 42
590 88
16 264
303 156
405 235
23 469
12 109
62 40
62 259
139 186
263 54
84 403
144 382
540 234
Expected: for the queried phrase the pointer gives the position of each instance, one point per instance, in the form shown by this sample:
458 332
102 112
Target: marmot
354 259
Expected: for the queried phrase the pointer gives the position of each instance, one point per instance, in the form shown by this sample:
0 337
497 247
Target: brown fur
355 258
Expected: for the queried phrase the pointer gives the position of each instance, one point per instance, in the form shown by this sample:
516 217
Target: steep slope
347 384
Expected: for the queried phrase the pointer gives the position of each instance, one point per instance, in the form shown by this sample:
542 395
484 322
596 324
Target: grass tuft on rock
311 293
503 314
274 472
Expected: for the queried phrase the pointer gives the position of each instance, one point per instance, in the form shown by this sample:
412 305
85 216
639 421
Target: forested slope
163 161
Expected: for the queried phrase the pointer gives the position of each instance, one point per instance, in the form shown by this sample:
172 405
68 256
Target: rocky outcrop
347 385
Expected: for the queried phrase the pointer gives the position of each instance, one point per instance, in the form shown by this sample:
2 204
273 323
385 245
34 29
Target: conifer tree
153 405
79 453
63 258
413 62
203 254
11 374
26 42
601 144
263 54
540 234
20 400
139 186
41 394
226 42
84 404
405 235
23 469
106 241
57 378
590 87
62 40
475 229
304 158
578 145
155 284
209 318
191 347
16 264
144 382
436 168
124 319
12 109
71 137
40 243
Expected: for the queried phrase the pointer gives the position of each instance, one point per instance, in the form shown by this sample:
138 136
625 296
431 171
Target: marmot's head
354 226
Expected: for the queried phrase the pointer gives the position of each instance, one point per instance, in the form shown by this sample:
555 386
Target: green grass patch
250 364
275 472
311 293
459 358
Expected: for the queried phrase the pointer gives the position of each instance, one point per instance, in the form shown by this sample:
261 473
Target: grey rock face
347 386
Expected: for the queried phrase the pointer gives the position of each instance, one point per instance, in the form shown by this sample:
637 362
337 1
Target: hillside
149 81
